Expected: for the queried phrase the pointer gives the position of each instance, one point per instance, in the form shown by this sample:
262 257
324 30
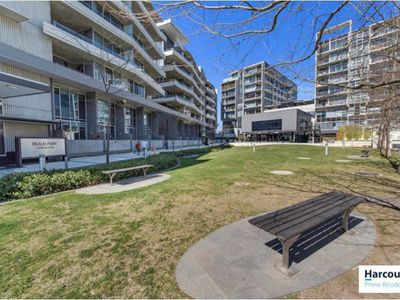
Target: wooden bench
365 153
112 173
289 223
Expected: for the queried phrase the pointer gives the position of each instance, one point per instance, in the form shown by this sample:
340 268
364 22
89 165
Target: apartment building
187 88
250 90
346 58
58 59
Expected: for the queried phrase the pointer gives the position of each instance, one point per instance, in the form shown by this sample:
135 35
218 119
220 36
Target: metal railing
96 44
111 21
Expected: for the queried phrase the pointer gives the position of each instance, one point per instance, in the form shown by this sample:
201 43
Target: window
128 120
139 89
266 125
103 115
98 71
147 124
147 120
70 109
1 106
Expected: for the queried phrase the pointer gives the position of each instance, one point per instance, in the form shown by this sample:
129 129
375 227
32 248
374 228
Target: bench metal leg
285 266
345 219
111 178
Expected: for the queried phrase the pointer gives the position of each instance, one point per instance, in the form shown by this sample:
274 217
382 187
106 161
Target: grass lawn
127 245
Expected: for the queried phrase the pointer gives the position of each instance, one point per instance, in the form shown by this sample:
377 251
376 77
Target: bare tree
251 19
108 59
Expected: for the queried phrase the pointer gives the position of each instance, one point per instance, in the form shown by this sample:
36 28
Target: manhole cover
368 174
281 172
356 157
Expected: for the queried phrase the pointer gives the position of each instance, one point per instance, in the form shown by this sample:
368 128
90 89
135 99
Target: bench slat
126 169
296 219
283 214
319 219
309 215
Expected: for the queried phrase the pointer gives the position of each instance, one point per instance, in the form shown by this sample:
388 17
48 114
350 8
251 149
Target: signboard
34 147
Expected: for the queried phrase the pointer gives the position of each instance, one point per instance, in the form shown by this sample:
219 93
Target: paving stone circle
357 157
237 260
124 185
368 174
343 160
304 158
281 172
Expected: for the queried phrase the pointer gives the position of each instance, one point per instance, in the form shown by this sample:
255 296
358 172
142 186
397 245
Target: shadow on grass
345 182
313 240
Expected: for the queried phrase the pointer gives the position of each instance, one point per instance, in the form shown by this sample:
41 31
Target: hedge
22 185
30 184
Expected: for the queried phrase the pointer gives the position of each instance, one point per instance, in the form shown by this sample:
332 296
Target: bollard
66 162
42 162
326 148
254 147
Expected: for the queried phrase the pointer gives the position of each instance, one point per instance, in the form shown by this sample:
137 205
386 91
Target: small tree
341 133
353 132
367 134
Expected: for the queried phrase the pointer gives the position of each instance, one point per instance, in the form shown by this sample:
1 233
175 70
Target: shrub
367 134
26 185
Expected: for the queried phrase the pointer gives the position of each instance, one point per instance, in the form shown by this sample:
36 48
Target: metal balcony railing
96 44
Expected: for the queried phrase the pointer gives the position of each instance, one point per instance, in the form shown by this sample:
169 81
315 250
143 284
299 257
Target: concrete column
139 122
155 125
91 116
120 123
172 128
186 130
180 129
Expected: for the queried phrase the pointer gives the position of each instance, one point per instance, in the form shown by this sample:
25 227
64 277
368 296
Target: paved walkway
78 162
237 260
124 185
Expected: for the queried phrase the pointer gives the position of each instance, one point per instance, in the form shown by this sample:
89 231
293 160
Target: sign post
42 162
40 148
326 148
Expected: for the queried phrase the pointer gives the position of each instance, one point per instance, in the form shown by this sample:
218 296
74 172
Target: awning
27 120
14 86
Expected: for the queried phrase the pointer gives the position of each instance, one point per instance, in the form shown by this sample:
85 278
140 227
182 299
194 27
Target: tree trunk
388 152
107 131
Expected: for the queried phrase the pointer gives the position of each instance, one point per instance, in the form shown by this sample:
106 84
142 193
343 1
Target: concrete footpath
78 162
238 260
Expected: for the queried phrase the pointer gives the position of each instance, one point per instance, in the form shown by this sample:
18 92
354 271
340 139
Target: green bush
26 185
193 151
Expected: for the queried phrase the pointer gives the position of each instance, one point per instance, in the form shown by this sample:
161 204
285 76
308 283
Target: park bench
112 173
289 223
365 152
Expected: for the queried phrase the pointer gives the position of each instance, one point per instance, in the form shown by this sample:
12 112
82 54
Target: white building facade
56 58
253 89
346 58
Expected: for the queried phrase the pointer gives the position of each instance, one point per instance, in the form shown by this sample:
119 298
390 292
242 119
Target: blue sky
292 38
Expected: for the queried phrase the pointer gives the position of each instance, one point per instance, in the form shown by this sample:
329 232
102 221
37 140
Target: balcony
178 86
113 27
211 117
88 47
182 72
178 100
210 108
176 54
